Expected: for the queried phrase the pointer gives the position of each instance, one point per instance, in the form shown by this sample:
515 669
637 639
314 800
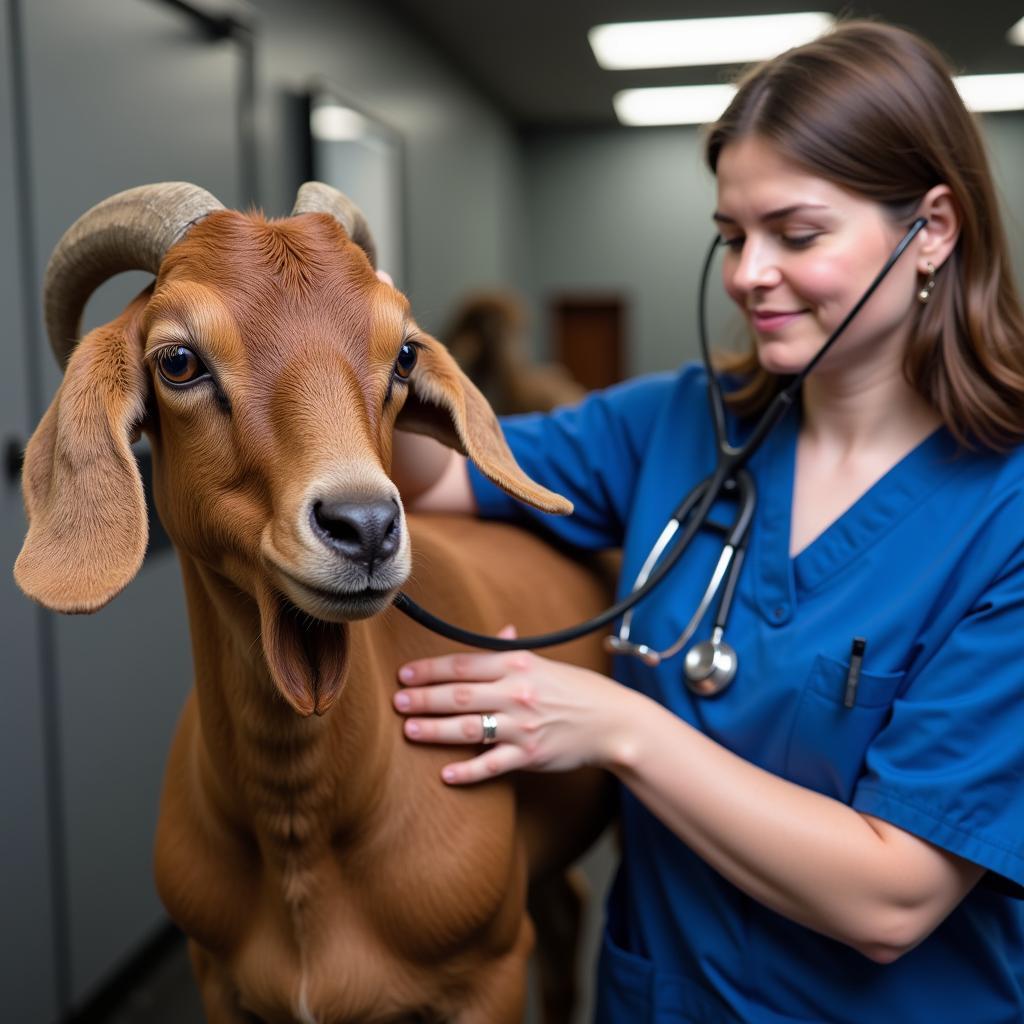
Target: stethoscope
709 666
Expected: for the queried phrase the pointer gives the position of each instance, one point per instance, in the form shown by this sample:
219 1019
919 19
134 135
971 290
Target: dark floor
158 990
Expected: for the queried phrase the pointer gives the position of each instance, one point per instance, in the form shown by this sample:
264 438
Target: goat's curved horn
316 197
129 231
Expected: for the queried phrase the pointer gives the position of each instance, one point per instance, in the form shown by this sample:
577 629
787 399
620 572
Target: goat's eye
406 361
180 365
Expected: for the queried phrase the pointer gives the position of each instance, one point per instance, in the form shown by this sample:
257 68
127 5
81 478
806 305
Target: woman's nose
755 267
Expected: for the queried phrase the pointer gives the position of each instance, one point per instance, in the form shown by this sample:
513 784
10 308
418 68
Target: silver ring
489 723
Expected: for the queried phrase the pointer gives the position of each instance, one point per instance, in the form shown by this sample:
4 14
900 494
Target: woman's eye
800 241
406 361
733 244
180 365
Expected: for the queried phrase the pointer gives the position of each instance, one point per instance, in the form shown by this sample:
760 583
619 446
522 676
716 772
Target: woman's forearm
806 856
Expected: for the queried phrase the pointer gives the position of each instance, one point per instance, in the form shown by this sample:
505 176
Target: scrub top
928 568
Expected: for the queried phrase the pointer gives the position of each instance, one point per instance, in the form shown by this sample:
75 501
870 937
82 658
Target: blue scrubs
928 567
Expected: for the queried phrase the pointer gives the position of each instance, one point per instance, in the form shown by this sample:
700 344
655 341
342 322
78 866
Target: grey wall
627 212
28 980
100 90
630 211
1004 134
463 164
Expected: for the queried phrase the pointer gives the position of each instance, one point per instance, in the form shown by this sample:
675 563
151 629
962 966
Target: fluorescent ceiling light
333 123
1016 33
984 93
674 104
701 104
696 41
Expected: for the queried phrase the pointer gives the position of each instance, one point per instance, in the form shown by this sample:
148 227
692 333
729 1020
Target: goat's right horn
129 231
316 197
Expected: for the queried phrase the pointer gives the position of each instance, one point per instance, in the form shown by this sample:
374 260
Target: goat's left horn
316 197
129 231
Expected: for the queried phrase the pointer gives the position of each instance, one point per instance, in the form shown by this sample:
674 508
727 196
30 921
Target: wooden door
589 337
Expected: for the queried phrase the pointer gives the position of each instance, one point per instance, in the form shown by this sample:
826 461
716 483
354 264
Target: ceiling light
702 104
1016 33
674 104
984 93
695 41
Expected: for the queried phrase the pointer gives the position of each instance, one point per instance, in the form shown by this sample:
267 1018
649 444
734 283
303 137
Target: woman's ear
443 403
939 236
81 485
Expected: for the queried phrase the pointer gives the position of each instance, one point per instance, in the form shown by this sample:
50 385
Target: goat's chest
399 919
398 926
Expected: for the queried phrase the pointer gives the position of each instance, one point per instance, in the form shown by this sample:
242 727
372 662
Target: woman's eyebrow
784 211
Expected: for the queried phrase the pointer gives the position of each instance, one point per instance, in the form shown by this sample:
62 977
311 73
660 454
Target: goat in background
322 871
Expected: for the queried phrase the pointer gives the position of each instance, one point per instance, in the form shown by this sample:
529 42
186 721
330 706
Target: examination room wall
463 173
96 96
629 212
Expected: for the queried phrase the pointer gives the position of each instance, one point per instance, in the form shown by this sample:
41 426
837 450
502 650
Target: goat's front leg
220 999
500 995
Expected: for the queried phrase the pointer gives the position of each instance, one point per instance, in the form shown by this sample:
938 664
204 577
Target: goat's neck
293 782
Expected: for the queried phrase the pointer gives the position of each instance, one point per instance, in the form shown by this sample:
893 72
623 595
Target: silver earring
926 292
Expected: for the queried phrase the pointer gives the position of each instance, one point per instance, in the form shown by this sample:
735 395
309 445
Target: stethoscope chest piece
709 667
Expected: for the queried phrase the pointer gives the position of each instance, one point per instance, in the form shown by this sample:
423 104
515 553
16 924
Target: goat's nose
364 531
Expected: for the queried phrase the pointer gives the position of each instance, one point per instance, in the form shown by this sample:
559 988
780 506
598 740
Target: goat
321 870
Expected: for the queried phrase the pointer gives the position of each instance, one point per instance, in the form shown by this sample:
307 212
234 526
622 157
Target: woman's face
800 252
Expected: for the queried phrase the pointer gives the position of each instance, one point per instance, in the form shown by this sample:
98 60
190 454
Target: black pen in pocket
853 673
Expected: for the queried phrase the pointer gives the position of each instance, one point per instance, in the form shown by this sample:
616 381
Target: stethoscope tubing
419 614
729 461
726 571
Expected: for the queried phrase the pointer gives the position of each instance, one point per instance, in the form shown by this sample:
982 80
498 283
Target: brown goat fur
317 863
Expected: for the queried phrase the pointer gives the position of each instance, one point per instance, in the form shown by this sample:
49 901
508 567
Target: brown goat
320 868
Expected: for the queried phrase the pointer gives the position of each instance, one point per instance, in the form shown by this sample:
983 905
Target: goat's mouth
337 604
305 655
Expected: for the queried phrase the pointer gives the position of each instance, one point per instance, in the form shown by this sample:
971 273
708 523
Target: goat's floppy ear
446 405
82 489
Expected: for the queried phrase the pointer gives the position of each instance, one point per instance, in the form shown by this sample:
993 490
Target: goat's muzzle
352 557
366 533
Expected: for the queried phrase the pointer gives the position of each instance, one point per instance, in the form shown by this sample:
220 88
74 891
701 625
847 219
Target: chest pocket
829 740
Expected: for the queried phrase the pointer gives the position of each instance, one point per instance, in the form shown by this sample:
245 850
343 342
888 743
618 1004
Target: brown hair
873 109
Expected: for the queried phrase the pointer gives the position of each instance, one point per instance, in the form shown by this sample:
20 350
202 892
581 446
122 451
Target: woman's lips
768 321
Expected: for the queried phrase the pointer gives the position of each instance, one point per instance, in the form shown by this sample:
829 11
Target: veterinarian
836 833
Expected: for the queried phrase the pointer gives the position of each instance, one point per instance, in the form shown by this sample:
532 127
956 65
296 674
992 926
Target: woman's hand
549 716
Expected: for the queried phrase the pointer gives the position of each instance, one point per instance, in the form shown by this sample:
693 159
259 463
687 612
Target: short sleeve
591 453
949 764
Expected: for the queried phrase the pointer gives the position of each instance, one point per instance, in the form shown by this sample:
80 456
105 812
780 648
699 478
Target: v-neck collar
881 506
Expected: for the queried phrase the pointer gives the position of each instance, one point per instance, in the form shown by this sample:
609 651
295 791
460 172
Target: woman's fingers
462 696
457 729
494 761
446 699
479 668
